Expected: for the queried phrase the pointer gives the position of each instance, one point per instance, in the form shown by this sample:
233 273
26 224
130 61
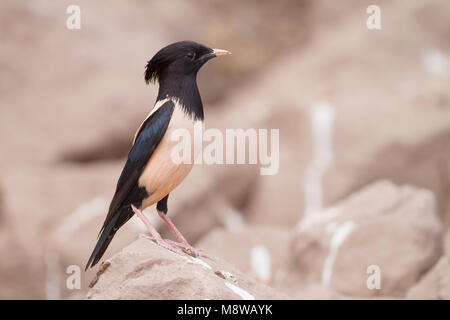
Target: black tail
103 242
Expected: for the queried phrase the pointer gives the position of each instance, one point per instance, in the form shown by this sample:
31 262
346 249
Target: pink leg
183 244
172 227
154 234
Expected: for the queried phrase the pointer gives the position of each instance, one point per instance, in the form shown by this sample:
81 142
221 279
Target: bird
149 174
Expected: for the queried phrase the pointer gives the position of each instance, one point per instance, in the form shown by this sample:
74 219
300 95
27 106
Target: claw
162 243
190 250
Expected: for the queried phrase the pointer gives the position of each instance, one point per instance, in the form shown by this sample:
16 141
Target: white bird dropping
261 264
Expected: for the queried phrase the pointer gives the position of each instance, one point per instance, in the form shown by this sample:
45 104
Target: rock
423 163
435 284
239 247
64 205
1 209
143 270
316 292
385 228
259 251
21 270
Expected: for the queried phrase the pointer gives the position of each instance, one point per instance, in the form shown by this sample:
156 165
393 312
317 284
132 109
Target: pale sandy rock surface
435 284
394 228
15 255
249 247
144 270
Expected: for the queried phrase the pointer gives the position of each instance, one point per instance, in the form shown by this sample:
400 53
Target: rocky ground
378 204
145 271
383 241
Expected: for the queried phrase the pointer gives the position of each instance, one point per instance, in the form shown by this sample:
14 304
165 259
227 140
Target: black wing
127 190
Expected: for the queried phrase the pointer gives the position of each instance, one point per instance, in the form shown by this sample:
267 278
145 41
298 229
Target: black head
182 58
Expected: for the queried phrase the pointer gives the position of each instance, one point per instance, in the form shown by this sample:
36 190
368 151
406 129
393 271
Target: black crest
177 51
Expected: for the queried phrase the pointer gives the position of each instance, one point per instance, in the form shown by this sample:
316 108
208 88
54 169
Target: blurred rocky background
363 186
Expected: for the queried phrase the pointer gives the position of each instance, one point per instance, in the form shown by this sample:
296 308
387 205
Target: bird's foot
182 248
190 250
163 243
155 236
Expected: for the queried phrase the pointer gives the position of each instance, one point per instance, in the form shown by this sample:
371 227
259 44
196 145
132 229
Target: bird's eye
190 55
